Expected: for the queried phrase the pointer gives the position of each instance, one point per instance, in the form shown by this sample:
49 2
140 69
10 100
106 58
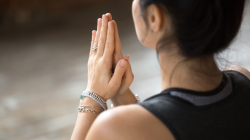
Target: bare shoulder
239 69
130 122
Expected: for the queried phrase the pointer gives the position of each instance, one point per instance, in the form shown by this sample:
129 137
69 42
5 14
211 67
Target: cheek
138 20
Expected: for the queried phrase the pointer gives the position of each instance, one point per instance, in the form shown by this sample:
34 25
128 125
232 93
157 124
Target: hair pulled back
200 27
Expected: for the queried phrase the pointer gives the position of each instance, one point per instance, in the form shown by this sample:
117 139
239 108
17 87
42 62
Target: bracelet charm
81 97
137 98
80 109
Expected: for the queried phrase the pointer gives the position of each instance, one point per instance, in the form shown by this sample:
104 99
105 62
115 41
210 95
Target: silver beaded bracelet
83 109
95 97
91 106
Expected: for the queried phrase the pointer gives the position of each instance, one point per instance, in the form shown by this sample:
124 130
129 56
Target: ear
155 18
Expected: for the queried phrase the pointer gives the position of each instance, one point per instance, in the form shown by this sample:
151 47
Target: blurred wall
16 12
43 62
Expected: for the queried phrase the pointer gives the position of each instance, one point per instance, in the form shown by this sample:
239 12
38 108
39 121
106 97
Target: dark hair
200 27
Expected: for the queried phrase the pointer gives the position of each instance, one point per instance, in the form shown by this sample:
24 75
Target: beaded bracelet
82 109
95 97
91 106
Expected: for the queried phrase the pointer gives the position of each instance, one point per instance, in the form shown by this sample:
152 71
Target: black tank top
220 114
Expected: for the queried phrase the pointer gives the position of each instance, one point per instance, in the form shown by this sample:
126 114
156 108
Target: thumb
119 72
129 76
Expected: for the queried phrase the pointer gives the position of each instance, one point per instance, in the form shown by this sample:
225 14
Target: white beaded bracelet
91 106
83 109
95 97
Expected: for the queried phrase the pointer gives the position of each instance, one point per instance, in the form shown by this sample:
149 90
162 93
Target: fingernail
99 21
127 57
123 63
109 24
103 18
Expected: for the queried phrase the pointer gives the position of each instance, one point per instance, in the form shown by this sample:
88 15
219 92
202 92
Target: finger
99 26
109 45
121 66
103 36
128 77
92 42
128 73
118 48
109 16
127 57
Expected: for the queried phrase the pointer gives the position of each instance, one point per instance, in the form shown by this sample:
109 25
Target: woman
198 101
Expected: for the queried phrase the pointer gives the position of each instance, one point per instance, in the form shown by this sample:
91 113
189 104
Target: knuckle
100 40
96 59
107 44
96 42
104 64
105 60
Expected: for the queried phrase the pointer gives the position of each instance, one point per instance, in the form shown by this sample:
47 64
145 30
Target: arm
130 122
84 120
101 80
239 69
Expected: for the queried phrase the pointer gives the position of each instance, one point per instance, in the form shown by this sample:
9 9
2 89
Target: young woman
198 101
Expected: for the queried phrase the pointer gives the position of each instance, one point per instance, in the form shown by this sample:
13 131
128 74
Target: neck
198 74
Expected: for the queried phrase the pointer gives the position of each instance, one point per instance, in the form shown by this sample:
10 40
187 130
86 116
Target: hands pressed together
109 73
109 76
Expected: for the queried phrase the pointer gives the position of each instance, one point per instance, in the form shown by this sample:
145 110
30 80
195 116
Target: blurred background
44 46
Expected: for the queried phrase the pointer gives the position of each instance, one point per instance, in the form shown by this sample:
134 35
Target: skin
110 80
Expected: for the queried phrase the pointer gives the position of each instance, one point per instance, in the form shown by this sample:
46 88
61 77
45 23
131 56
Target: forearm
85 119
127 98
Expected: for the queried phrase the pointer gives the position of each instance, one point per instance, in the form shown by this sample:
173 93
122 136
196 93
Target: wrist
123 93
89 101
97 93
95 97
124 99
